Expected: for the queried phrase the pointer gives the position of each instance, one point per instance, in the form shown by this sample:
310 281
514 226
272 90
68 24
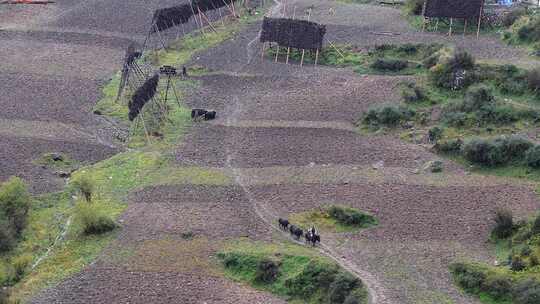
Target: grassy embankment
147 163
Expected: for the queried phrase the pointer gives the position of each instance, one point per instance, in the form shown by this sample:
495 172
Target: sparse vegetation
291 271
335 218
14 206
92 218
387 116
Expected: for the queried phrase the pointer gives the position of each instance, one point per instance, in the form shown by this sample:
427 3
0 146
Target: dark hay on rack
131 55
208 5
172 16
300 34
463 9
142 96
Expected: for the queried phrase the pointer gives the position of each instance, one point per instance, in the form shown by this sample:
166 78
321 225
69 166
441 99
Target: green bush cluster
477 279
414 7
512 16
445 72
388 116
351 217
450 146
14 206
504 223
389 65
319 281
496 151
480 107
91 218
533 80
412 93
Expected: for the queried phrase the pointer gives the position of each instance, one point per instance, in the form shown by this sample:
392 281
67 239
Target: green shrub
517 263
389 65
456 119
7 235
504 223
449 146
20 266
267 271
14 203
498 286
469 277
511 17
496 151
444 74
351 217
477 97
529 30
435 133
85 185
533 80
533 157
389 115
315 275
412 93
92 219
535 228
414 7
527 292
342 286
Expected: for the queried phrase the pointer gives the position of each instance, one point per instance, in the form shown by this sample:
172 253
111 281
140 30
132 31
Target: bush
389 115
351 217
20 266
469 277
267 271
498 286
511 17
455 72
389 65
533 157
92 219
449 146
314 275
457 119
342 286
527 292
412 93
535 228
497 151
529 29
517 263
476 98
504 223
85 185
14 203
435 133
7 235
414 7
533 80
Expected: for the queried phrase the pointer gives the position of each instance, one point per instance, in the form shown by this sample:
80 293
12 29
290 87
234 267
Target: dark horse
313 238
296 232
283 223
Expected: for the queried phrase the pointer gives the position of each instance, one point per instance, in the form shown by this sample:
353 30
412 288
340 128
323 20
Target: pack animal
296 232
283 224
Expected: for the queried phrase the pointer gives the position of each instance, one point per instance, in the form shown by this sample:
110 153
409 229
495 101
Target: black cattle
209 115
283 223
196 113
296 232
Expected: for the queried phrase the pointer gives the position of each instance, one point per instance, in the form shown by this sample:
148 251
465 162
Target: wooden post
479 20
316 57
465 28
289 48
451 23
424 17
200 19
221 17
437 25
277 53
263 50
302 60
209 23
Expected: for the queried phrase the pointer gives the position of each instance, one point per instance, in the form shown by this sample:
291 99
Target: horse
312 238
283 223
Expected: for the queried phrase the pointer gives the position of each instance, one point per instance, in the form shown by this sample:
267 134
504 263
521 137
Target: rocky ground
286 137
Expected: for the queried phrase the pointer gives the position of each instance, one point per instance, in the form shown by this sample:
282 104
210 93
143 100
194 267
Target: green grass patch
382 60
293 272
57 161
334 219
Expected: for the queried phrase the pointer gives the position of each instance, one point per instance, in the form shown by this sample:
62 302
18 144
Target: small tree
14 204
85 185
504 223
